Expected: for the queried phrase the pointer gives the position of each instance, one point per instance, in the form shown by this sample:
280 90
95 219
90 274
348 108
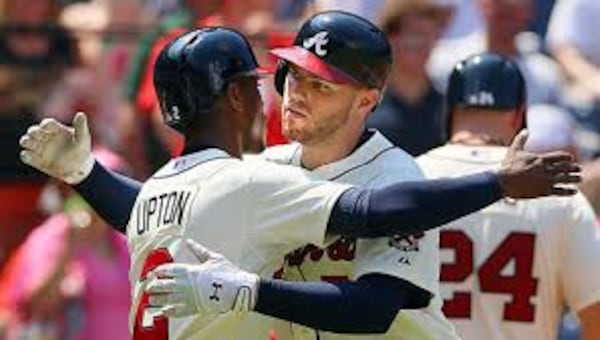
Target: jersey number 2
521 285
159 330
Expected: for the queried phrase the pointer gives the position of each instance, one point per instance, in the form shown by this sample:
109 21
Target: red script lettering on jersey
160 327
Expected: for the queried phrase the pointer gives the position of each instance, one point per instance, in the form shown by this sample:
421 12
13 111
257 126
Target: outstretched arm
404 208
411 207
111 195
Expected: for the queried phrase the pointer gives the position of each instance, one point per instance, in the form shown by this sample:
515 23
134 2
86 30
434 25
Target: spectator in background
539 24
34 54
369 9
71 275
574 46
291 10
410 113
505 20
466 19
104 36
466 16
572 41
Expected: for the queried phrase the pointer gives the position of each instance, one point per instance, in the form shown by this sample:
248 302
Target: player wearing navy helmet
510 270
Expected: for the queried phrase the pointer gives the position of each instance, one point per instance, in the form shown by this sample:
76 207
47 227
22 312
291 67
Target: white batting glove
214 286
60 151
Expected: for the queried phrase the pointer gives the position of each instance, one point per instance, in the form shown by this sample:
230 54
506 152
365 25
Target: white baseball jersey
252 212
508 270
374 164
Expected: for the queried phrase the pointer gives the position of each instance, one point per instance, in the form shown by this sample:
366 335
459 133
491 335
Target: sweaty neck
331 150
504 47
220 135
474 139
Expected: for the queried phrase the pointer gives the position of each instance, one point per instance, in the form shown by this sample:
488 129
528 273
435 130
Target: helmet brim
311 63
258 72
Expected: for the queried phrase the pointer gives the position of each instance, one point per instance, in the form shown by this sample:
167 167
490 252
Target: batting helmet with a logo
485 80
339 47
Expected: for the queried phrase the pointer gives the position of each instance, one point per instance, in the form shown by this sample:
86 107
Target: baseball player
252 212
316 120
509 270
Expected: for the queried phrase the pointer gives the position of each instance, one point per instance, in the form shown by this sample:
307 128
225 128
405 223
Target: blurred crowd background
63 272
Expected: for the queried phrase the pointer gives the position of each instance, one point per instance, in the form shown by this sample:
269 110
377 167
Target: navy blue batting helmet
339 47
193 70
485 80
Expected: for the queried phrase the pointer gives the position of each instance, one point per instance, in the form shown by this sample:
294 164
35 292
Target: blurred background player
509 270
505 21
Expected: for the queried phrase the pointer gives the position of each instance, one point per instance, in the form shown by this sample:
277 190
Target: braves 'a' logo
319 41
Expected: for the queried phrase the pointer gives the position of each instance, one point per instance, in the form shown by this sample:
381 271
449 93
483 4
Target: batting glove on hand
214 286
60 151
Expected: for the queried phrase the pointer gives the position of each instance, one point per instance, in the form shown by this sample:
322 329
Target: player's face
314 110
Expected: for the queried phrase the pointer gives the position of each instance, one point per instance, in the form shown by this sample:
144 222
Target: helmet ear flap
174 104
280 74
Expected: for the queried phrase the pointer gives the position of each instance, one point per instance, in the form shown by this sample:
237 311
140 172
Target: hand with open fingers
528 175
213 286
60 151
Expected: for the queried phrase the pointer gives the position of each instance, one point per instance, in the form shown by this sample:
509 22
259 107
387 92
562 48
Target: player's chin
293 132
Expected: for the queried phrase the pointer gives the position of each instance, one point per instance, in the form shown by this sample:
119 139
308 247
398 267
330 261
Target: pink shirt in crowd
104 288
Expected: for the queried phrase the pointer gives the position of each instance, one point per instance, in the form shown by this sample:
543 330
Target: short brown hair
390 19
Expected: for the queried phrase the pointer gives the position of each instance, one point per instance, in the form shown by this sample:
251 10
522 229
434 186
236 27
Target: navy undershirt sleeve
411 207
111 195
368 305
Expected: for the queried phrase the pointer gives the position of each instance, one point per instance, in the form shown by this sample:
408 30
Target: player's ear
518 117
235 97
367 101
